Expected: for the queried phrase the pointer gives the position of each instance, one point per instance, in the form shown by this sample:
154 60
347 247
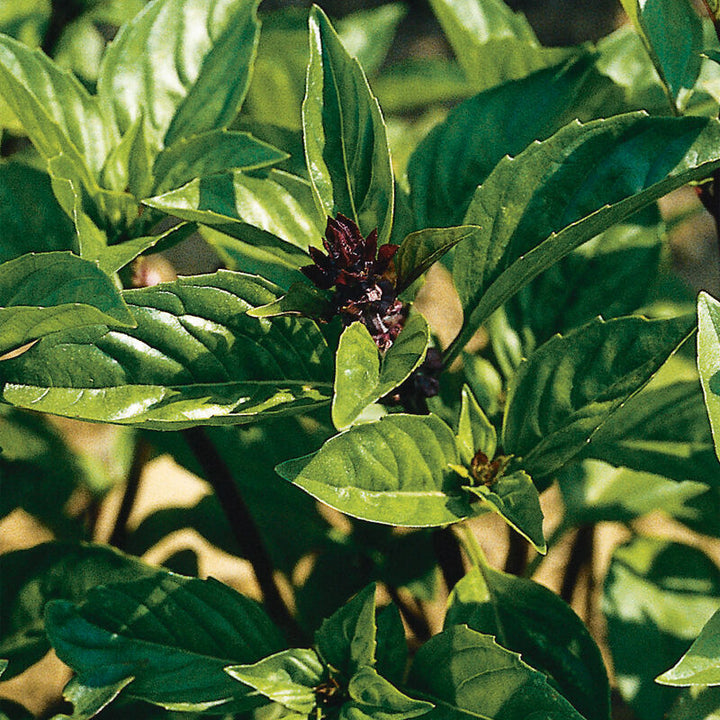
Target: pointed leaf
475 431
467 675
184 65
46 572
556 206
422 249
274 201
700 665
345 140
173 634
657 596
44 293
589 373
529 619
210 153
673 35
56 111
458 154
300 299
90 698
393 471
661 429
362 377
392 650
375 698
288 678
708 354
195 357
346 640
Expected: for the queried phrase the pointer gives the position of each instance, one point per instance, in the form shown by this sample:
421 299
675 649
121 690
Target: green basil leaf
300 299
529 619
597 492
184 65
700 665
173 635
274 201
130 164
346 640
57 113
89 700
515 498
345 139
30 216
44 293
697 703
391 654
661 429
288 677
362 377
657 596
475 431
589 373
422 249
458 154
393 471
673 35
368 34
467 675
195 357
635 160
375 698
210 153
57 570
708 354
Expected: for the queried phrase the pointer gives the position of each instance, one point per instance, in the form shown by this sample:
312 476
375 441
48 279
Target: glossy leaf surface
47 572
288 678
658 595
468 675
195 357
183 65
709 360
375 698
475 431
173 635
700 665
392 471
529 619
589 373
44 293
362 377
275 202
541 205
345 139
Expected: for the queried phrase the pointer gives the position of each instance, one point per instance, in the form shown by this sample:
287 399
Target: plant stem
243 526
417 622
141 455
517 557
449 557
580 557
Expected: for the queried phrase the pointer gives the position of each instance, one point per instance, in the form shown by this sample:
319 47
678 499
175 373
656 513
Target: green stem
141 455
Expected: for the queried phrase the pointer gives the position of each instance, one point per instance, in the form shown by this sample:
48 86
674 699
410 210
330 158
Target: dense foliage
302 375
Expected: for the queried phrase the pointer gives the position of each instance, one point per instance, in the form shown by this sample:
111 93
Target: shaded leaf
46 572
184 65
210 153
300 299
375 698
529 619
422 249
195 357
362 376
173 635
556 205
44 293
345 140
393 471
89 700
467 675
657 596
590 373
475 431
